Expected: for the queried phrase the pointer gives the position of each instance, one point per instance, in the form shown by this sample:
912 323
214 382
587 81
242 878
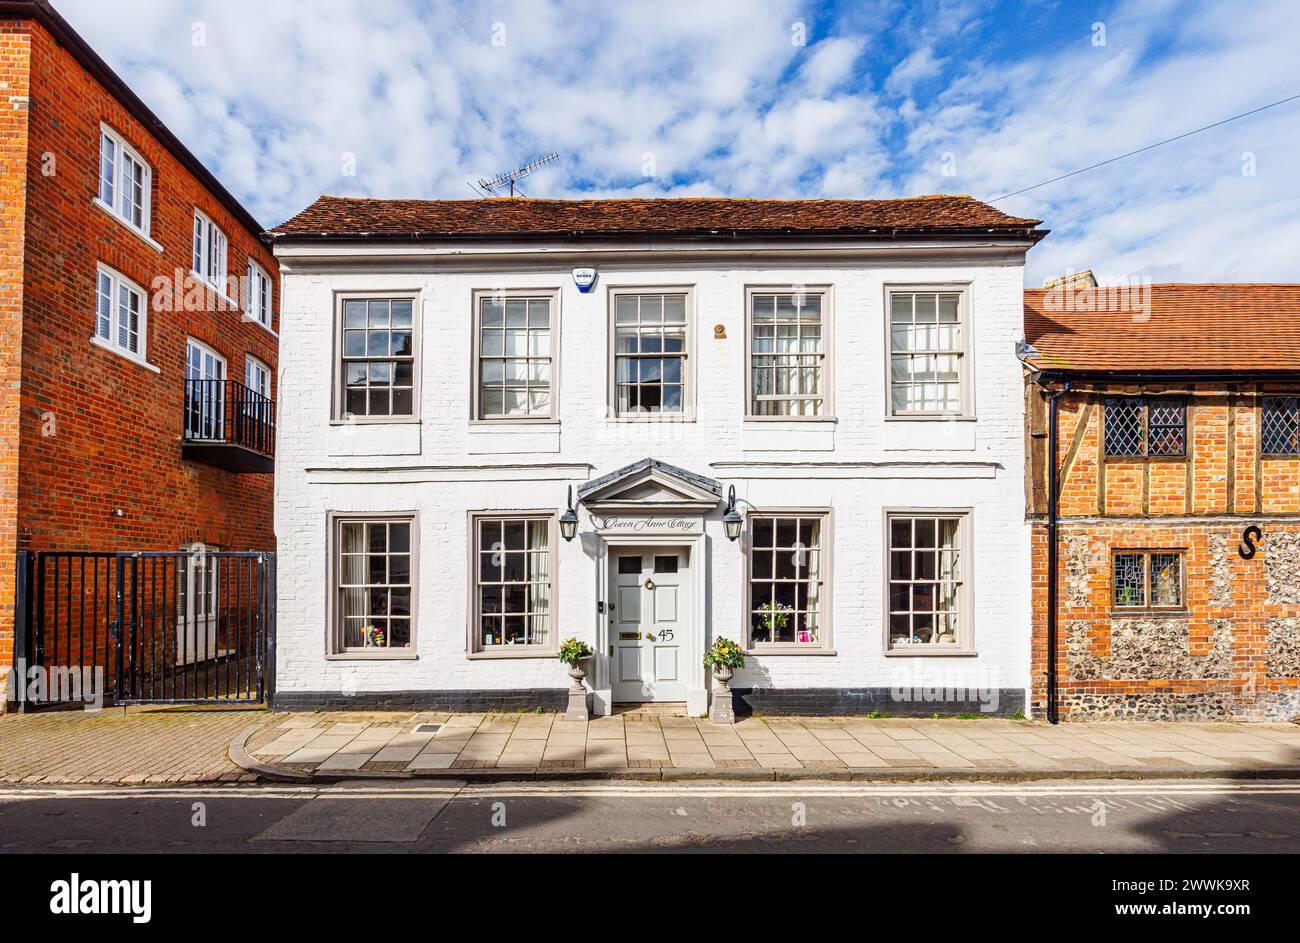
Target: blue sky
287 99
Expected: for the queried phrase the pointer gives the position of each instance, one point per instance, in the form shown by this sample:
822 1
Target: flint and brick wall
1233 650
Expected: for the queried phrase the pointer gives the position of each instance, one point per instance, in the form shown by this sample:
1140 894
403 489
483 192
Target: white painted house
448 374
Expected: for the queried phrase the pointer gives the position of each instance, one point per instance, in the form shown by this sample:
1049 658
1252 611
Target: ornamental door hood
650 487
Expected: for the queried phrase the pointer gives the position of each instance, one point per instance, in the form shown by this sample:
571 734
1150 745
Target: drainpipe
1053 410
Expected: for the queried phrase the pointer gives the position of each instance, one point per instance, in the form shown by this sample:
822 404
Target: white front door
649 622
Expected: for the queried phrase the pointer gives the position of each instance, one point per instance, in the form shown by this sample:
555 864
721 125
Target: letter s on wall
1248 537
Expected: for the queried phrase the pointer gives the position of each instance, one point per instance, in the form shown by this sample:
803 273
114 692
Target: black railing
224 411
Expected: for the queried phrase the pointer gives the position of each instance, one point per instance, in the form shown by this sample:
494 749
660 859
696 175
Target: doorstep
328 747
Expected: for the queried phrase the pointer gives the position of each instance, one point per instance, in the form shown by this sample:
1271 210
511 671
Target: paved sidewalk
142 745
645 744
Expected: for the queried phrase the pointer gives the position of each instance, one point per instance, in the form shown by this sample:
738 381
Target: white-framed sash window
125 181
121 314
210 246
258 306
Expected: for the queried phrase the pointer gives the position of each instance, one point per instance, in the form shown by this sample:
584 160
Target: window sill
124 354
505 423
513 651
376 421
930 651
372 656
801 420
123 223
1149 614
652 419
266 327
794 649
930 417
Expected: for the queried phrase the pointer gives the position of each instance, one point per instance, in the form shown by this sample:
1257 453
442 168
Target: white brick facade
444 466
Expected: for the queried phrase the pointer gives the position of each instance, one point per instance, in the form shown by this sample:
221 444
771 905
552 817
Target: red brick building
1176 523
137 325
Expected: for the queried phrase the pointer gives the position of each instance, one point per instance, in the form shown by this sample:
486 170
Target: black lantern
732 520
569 519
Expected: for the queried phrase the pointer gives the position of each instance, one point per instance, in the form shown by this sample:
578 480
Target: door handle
649 636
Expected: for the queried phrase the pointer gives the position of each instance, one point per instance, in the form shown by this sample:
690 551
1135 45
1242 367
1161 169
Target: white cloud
726 102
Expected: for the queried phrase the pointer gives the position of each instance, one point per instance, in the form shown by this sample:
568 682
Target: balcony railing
229 425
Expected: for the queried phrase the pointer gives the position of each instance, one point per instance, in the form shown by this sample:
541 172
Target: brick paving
357 743
136 746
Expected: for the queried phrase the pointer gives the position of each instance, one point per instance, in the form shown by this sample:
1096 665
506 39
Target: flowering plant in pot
723 658
573 653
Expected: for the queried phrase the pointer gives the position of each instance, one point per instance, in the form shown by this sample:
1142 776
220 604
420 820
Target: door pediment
650 486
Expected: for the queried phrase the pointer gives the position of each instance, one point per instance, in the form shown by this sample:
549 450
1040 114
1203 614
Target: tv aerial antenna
508 181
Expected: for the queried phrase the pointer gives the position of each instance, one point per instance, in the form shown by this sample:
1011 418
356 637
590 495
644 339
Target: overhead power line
1178 137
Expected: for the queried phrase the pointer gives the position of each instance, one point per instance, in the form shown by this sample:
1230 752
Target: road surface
415 817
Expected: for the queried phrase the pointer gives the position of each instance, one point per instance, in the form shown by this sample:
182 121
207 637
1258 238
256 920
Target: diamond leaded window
1138 427
1147 579
1281 425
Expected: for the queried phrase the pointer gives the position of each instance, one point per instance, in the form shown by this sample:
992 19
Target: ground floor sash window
787 580
514 588
375 581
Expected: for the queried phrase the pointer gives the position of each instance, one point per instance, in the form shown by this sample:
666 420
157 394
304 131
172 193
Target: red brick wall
14 47
1233 651
119 425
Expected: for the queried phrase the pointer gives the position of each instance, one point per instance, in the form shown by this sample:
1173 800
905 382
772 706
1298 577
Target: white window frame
338 414
965 636
214 409
114 339
825 292
552 295
261 297
115 203
252 365
334 645
824 644
687 413
209 246
474 642
965 365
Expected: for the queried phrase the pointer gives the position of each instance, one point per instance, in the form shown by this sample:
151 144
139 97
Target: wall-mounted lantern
569 519
732 520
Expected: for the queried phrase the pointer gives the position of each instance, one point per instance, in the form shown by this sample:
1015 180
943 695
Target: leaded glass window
1147 579
1280 419
1137 427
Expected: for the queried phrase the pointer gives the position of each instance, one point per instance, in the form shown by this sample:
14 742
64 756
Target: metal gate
171 627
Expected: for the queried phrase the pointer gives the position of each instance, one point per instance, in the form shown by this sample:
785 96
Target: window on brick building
514 583
927 363
1147 579
121 313
928 599
210 247
258 306
515 344
374 584
125 180
788 374
1146 426
1280 425
787 591
651 366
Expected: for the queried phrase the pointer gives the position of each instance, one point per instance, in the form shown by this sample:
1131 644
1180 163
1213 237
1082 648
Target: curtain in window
539 580
352 577
811 534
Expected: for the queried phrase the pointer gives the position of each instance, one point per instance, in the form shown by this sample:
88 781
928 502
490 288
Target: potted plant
573 653
723 658
774 619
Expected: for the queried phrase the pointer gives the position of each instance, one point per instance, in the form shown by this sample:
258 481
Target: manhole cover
428 728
